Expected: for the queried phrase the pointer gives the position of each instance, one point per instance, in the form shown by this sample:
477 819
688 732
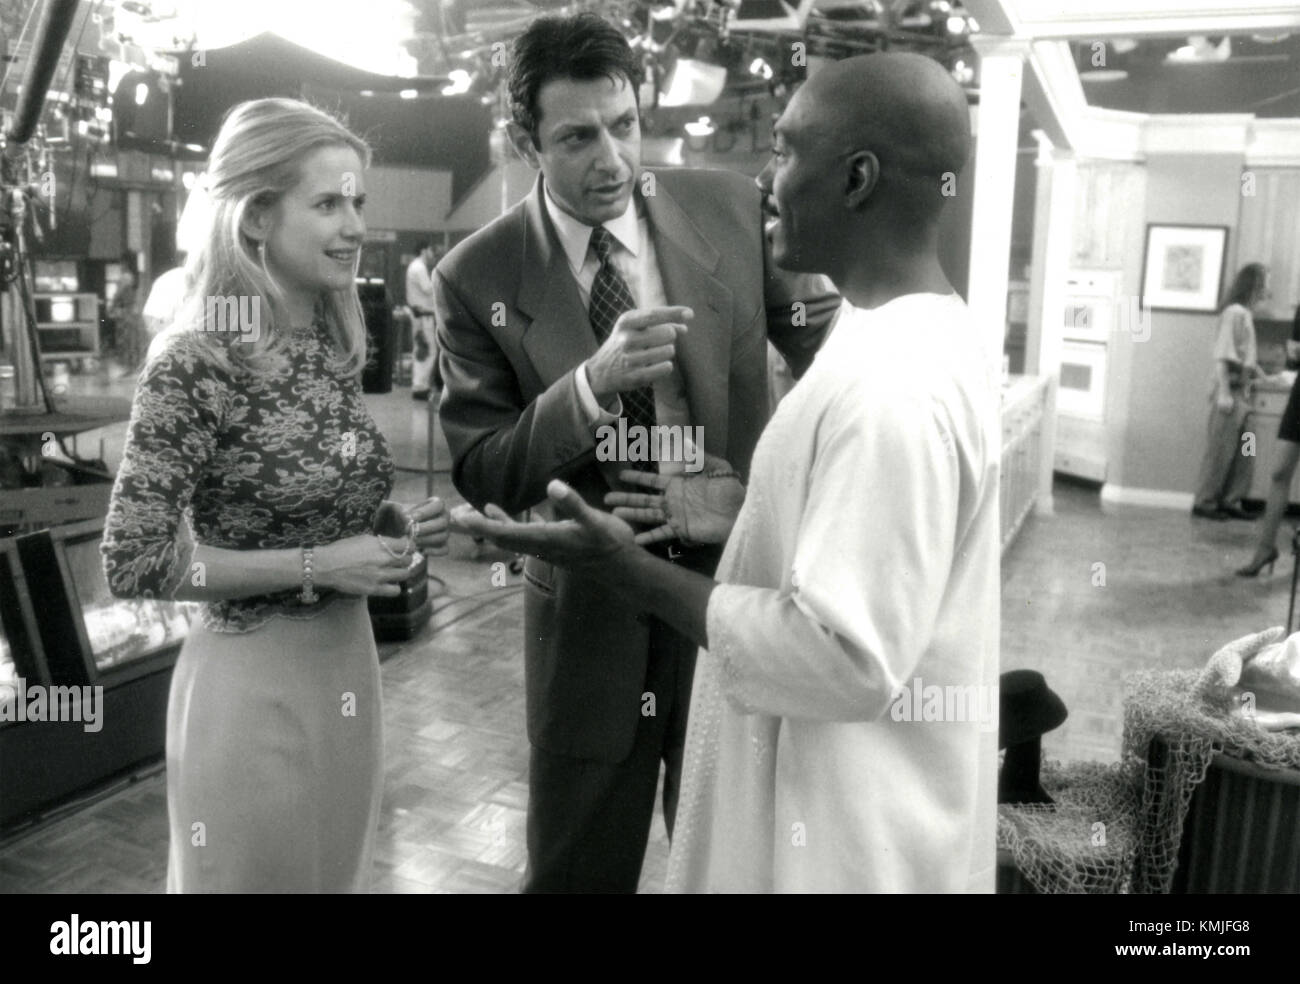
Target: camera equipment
26 178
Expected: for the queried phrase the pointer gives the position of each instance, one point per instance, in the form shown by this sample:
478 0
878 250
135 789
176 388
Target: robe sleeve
870 567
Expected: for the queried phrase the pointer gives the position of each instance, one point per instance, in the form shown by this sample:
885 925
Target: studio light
460 83
1201 50
140 111
703 127
117 71
694 83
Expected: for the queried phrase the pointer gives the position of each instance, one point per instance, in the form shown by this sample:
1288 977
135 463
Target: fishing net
1084 842
1178 725
1118 828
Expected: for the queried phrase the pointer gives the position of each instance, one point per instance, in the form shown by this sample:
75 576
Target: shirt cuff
596 414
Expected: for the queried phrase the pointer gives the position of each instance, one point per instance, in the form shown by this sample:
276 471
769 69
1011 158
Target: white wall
402 198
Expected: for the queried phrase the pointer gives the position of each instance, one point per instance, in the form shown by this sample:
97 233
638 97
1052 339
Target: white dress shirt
634 258
419 287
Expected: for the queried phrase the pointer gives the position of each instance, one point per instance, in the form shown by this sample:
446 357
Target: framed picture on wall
1183 267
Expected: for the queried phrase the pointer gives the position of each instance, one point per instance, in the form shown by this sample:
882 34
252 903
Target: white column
1053 238
997 130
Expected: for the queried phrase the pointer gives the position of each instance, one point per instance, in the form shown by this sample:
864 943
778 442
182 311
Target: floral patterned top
284 460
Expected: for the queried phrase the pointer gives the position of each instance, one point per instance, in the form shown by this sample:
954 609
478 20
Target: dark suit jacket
512 329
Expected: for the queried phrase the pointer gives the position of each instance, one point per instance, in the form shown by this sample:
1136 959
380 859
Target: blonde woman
249 422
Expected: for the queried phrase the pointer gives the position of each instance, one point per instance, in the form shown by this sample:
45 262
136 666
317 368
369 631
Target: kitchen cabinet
1270 401
1108 199
1269 233
1024 403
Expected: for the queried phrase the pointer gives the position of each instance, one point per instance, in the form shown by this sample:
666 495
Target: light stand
16 304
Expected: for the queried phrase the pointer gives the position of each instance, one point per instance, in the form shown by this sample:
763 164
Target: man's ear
522 141
864 172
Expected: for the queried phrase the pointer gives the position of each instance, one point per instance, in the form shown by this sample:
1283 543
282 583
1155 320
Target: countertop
1018 388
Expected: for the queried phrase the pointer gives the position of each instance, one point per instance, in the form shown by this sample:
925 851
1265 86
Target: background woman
1225 471
251 419
1288 454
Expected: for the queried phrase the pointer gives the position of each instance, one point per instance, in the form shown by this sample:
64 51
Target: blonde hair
255 160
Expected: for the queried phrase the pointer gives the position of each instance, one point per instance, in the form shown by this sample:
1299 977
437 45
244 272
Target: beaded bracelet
308 596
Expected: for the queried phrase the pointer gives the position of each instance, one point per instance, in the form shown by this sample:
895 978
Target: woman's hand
425 526
363 565
1225 402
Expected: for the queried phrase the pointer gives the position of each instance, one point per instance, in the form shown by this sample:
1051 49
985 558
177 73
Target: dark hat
1027 707
1018 777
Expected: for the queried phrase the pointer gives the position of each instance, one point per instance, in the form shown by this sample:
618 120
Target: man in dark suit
611 291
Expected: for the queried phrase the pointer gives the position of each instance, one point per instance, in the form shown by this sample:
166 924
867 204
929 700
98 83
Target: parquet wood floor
456 753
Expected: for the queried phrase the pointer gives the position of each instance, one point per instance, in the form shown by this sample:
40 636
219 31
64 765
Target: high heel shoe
1252 569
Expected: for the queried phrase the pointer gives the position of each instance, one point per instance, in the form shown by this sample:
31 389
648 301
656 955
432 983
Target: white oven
1091 297
1089 323
1082 388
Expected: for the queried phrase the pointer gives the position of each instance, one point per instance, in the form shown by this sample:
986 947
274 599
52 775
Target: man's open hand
584 537
693 508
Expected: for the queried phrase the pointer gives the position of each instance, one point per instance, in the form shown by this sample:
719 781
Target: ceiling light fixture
1199 50
1104 75
460 82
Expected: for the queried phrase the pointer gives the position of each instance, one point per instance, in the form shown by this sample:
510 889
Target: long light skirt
275 756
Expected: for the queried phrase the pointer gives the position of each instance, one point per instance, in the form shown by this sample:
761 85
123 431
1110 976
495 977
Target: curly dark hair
584 46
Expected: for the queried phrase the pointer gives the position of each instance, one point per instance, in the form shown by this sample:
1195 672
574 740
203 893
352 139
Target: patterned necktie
610 297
